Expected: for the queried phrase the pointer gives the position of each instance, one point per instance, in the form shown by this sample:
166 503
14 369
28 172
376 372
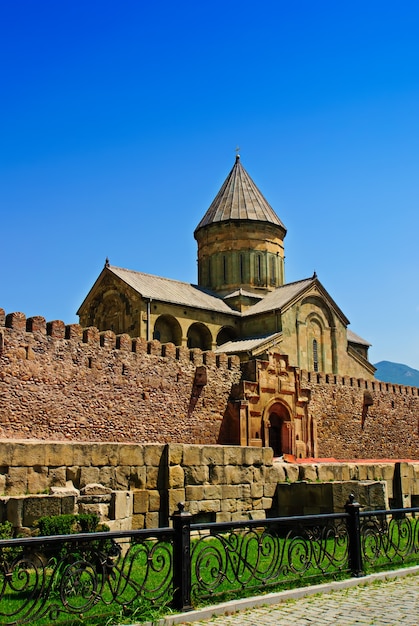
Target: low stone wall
140 486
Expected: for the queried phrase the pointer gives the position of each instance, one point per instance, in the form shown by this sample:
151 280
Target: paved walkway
380 600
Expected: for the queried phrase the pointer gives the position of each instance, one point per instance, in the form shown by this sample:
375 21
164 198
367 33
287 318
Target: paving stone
382 603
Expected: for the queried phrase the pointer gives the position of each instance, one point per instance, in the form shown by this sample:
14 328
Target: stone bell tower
240 242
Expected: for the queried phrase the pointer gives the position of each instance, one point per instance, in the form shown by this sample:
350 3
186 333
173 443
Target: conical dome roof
239 199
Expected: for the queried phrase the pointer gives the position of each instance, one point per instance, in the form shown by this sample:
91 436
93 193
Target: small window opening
315 356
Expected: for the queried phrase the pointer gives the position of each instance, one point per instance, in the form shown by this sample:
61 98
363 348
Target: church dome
240 240
239 199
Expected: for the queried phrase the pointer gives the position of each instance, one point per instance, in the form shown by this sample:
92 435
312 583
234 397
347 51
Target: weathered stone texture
91 386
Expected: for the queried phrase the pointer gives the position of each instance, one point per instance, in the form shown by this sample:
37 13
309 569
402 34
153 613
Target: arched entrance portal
279 430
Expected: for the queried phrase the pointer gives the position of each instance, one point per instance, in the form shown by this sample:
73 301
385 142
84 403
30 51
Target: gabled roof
168 290
252 345
284 296
239 199
354 338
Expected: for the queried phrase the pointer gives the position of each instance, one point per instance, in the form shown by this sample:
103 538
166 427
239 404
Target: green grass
251 563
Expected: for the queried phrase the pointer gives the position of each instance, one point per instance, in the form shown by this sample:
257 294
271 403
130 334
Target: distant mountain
397 373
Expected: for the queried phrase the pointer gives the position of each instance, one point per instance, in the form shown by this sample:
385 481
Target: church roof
169 290
239 199
252 345
281 296
354 338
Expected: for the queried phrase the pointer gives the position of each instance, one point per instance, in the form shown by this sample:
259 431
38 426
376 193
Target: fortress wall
61 381
363 419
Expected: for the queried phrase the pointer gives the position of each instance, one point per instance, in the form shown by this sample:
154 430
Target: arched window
273 270
315 356
258 269
224 269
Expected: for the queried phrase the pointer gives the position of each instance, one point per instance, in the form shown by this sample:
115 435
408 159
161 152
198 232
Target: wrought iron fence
48 577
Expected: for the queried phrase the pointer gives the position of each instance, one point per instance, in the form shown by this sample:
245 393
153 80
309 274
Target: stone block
353 471
231 491
239 516
175 496
194 492
176 477
229 505
82 454
107 476
99 509
88 475
121 504
6 453
95 489
138 476
233 455
38 479
2 483
57 476
213 492
175 453
268 456
269 489
15 512
140 501
122 477
131 454
236 475
217 475
196 474
138 522
213 455
152 520
153 454
105 454
73 474
35 507
292 472
17 481
223 516
153 501
210 506
308 472
276 473
59 454
152 478
258 514
192 454
327 472
362 471
252 456
68 505
28 454
256 490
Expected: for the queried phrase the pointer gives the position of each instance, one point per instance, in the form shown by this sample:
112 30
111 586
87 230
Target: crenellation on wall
360 383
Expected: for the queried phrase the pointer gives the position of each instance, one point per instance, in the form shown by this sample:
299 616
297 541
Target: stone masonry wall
135 486
359 419
66 382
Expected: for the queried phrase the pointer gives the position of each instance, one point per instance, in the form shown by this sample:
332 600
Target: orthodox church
241 304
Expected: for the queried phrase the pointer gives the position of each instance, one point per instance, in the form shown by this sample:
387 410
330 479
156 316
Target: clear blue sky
119 122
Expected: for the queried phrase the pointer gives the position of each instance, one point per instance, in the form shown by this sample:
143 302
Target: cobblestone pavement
382 603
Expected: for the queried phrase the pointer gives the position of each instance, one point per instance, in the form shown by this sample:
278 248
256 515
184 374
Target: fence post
354 533
182 559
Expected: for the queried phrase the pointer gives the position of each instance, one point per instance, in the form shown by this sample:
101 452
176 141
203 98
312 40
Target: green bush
68 525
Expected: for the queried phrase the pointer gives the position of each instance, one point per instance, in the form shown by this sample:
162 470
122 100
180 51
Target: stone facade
61 382
139 486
